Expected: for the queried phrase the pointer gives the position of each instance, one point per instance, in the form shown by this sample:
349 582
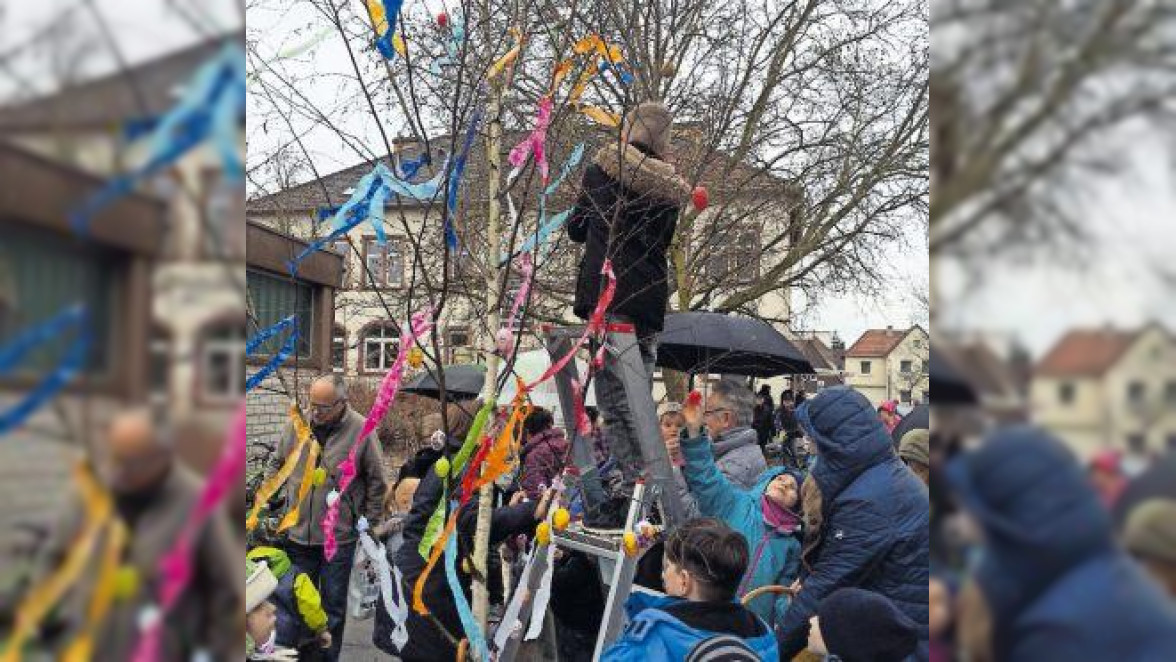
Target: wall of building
1151 361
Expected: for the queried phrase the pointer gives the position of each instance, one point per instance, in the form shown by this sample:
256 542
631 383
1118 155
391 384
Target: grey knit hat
650 124
914 447
1151 530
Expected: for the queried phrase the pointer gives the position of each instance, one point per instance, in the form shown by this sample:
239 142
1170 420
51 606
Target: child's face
260 622
783 491
816 642
940 607
675 578
671 426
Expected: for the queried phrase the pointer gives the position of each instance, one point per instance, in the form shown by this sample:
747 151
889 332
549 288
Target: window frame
338 331
371 242
1067 393
865 367
204 397
363 339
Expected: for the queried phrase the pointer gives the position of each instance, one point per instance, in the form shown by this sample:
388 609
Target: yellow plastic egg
561 518
442 467
543 533
629 542
126 583
320 477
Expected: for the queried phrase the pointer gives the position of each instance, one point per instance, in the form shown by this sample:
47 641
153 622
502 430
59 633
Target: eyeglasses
318 407
710 412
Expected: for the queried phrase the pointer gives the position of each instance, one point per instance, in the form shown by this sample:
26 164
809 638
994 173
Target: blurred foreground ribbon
420 325
176 565
212 108
82 648
71 364
274 482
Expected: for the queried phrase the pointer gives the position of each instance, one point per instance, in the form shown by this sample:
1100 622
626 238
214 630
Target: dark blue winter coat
874 534
1057 585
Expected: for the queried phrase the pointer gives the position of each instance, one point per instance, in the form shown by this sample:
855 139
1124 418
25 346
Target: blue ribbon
288 349
547 227
71 364
407 169
468 623
323 213
391 14
212 108
573 160
452 48
455 178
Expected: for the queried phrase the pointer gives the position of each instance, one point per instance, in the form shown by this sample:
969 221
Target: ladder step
589 544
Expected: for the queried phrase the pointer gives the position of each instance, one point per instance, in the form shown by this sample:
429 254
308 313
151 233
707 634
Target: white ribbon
397 607
510 620
542 597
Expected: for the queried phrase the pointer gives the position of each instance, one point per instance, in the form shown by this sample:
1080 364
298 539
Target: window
904 397
1171 441
159 364
865 367
458 346
1170 394
736 257
380 344
1136 444
224 215
386 263
1066 393
41 275
905 367
338 349
276 298
221 368
1135 393
343 248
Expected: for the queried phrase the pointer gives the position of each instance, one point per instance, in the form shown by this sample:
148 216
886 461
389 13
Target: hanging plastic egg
700 198
629 543
560 519
332 497
443 19
320 477
543 533
416 358
442 467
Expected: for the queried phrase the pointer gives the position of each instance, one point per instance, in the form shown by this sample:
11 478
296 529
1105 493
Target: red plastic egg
442 19
700 198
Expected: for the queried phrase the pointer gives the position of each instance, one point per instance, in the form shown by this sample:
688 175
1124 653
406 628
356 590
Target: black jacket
644 195
425 642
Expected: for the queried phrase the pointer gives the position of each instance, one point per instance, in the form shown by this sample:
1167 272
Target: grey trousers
620 434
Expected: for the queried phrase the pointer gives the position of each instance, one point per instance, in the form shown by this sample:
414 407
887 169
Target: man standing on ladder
627 211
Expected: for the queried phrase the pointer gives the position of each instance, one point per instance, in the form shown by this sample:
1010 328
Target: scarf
777 517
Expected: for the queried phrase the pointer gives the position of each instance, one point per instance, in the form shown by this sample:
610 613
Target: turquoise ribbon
472 630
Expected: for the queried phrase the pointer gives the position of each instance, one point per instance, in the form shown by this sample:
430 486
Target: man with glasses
335 426
727 417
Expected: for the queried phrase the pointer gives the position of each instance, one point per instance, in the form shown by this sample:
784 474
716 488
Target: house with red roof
1109 388
890 364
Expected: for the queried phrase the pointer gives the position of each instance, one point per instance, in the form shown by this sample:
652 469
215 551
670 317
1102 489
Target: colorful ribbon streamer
212 108
455 179
510 619
506 60
421 323
436 522
418 589
82 648
68 368
292 515
274 482
535 144
595 324
384 14
539 608
371 194
176 565
288 348
528 275
41 599
452 48
473 631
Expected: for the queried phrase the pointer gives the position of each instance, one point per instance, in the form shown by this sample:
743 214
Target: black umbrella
948 386
462 382
701 342
919 418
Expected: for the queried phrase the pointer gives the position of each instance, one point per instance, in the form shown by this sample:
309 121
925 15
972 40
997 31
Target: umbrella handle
775 589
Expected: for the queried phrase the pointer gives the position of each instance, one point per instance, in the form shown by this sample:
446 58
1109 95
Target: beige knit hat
1151 530
650 124
260 583
668 408
914 447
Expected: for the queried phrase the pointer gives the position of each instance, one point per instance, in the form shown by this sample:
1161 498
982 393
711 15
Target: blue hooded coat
1056 584
654 631
775 555
875 515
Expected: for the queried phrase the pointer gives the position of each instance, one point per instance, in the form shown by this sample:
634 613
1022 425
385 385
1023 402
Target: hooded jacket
300 607
1056 584
667 628
542 459
642 195
364 496
775 554
876 512
738 457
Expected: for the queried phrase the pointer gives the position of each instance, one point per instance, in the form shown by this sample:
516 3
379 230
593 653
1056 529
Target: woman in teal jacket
766 515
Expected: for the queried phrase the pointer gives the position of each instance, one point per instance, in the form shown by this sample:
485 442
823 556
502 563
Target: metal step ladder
657 486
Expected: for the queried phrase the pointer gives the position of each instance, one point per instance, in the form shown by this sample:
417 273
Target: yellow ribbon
600 115
82 649
42 598
291 517
511 55
271 485
380 24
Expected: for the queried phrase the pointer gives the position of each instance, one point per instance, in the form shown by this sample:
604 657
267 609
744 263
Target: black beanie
861 626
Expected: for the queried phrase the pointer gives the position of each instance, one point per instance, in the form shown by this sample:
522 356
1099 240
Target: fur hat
1151 530
649 124
914 447
260 583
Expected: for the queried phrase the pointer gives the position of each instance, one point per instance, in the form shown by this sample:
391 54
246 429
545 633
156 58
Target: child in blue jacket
699 619
767 516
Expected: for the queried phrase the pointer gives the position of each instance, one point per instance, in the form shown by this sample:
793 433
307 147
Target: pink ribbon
595 324
583 425
505 337
535 142
421 323
176 564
